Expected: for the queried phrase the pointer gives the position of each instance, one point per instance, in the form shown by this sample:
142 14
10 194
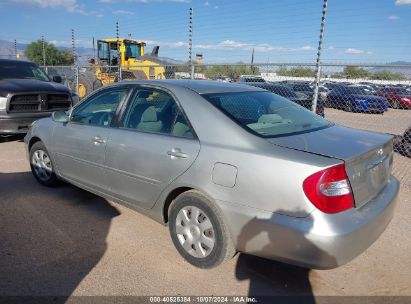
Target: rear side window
155 111
267 114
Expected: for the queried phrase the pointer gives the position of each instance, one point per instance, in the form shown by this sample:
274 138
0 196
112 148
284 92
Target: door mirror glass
57 79
60 116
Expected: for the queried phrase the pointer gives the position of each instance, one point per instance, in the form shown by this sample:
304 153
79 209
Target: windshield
21 70
302 87
357 91
401 91
267 114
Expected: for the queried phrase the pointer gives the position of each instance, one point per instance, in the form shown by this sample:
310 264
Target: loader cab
108 53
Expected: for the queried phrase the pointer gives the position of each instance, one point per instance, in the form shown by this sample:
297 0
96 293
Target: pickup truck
27 94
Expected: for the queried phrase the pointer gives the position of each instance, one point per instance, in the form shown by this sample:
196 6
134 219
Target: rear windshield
21 70
267 114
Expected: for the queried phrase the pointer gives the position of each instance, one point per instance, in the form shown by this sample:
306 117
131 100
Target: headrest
270 118
149 115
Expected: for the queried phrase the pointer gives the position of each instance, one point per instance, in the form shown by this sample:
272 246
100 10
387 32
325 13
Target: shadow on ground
8 138
50 238
270 278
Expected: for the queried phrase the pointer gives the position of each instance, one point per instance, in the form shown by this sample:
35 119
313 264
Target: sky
279 31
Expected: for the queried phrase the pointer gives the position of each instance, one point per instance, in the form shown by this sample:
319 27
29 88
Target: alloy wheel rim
42 165
195 232
81 90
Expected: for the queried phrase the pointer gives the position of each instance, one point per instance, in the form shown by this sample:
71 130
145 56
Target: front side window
267 114
103 50
155 111
132 50
100 109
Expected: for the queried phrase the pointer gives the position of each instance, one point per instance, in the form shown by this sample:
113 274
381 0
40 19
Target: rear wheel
395 104
42 166
406 148
198 231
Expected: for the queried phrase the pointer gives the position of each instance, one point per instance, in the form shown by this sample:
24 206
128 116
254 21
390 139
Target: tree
387 75
296 72
54 56
352 72
232 71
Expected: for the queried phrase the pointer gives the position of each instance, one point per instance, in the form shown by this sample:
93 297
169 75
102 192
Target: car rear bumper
366 106
320 241
19 124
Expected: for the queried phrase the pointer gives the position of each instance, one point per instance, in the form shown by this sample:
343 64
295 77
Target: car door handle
176 153
98 140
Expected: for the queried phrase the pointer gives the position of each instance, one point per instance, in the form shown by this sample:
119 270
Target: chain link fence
370 97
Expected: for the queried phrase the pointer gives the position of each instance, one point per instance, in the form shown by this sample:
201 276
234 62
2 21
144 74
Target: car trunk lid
368 156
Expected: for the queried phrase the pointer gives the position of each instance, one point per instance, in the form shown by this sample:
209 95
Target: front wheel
198 231
41 165
348 107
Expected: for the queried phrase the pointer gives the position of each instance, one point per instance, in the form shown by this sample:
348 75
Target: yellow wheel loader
130 60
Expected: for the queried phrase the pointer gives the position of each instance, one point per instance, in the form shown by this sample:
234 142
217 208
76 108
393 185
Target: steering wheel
105 119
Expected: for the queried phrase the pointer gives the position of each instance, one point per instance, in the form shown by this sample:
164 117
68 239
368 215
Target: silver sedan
230 168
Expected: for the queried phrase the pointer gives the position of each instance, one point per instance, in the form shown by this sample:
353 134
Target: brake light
329 190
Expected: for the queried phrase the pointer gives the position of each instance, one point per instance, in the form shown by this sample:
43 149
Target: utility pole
44 51
94 50
190 42
73 47
118 50
318 66
76 68
16 54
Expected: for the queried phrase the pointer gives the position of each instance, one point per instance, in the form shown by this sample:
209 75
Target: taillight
330 190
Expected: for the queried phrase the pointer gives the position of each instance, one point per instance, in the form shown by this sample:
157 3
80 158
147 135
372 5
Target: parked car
398 97
250 78
355 99
228 167
301 87
27 94
286 92
405 143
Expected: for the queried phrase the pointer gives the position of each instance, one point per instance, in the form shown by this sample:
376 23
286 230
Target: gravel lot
65 241
394 121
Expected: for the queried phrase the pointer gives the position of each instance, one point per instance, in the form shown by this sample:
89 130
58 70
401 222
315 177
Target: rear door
80 145
153 144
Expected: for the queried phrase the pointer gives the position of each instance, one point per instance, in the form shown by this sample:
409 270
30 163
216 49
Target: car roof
198 86
14 61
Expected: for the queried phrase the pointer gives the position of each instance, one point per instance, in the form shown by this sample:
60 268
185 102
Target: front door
153 145
80 145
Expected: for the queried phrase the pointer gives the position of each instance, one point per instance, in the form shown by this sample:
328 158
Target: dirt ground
66 242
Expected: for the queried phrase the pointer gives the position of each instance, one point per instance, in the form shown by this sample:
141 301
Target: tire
406 149
348 107
207 245
395 104
97 84
42 166
85 84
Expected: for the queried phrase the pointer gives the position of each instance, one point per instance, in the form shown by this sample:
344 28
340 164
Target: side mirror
60 116
57 79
